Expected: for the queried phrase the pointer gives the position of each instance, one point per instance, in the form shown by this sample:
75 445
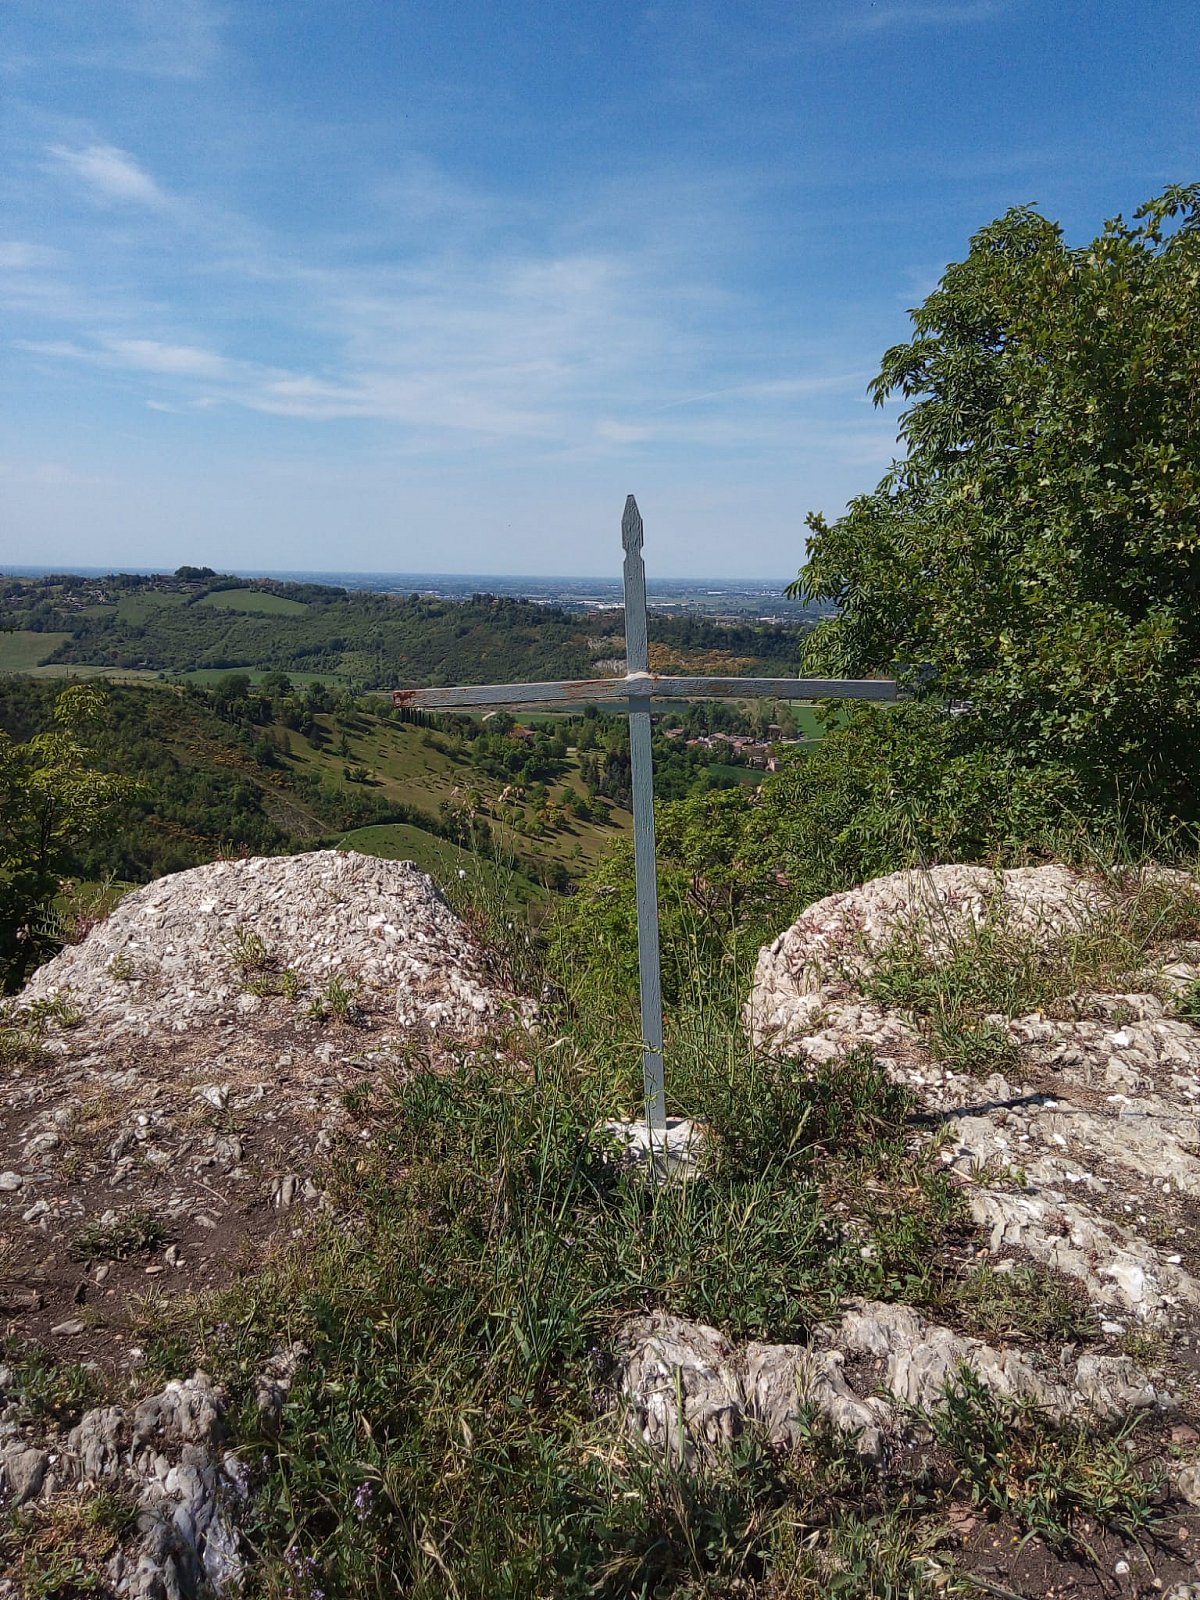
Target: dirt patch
142 1168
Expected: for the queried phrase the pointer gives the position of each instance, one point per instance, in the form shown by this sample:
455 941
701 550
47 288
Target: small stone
1184 1433
23 1471
10 1182
70 1328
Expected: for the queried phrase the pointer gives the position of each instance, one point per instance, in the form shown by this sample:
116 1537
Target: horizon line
31 569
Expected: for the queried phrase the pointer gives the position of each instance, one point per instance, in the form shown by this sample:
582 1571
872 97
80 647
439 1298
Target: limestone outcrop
687 1390
1084 1151
210 941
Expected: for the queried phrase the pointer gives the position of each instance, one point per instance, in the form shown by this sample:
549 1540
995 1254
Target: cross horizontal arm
641 687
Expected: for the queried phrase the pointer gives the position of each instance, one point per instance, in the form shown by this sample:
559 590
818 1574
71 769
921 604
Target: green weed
1048 1478
61 1549
962 987
337 1000
130 1233
1024 1302
249 952
57 1391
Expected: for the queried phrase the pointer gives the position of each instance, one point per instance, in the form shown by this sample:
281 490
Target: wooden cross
634 693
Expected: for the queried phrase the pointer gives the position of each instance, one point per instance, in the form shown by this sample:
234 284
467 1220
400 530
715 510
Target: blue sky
408 285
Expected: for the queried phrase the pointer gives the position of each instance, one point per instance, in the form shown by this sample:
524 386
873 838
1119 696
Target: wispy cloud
180 39
874 16
109 174
20 255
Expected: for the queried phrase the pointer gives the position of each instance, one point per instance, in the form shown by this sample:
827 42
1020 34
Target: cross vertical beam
637 657
635 693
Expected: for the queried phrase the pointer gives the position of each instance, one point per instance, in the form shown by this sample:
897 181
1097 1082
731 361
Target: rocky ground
174 1088
176 1084
1081 1155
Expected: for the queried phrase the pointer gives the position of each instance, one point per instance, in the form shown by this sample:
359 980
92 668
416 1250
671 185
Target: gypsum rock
173 952
686 1390
922 1357
1119 1270
1124 1115
167 1451
22 1472
272 1384
839 938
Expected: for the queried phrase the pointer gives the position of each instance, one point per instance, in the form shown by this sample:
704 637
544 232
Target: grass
79 671
416 768
61 1549
450 1433
205 677
448 864
140 606
962 984
1025 1302
50 1390
448 1436
1052 1481
451 1430
460 1301
130 1233
21 648
260 601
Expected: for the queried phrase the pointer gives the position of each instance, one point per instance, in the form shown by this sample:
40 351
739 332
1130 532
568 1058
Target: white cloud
110 174
880 14
172 38
19 255
178 360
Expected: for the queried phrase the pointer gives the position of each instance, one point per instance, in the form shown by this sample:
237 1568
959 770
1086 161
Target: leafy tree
50 798
1034 555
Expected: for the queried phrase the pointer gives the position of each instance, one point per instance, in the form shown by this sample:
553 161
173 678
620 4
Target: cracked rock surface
687 1389
1084 1154
167 1454
178 950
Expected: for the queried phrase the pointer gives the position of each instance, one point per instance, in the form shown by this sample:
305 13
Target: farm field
254 600
74 671
140 606
408 765
21 649
205 677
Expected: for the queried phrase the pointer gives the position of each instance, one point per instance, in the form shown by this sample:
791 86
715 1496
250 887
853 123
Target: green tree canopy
1034 555
49 798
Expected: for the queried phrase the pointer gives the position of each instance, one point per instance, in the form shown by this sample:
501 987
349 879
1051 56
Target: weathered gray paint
637 663
635 692
651 685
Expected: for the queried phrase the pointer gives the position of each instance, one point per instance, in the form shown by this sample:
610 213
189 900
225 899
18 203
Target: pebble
10 1182
69 1329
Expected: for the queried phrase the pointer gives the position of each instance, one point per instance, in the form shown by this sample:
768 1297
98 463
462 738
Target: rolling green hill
21 648
180 626
212 785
